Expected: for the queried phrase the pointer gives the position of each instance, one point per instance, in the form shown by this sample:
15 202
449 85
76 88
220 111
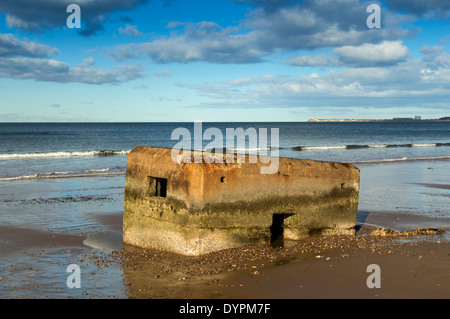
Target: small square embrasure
157 186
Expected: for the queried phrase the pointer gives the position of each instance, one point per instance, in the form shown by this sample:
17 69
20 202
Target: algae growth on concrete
197 208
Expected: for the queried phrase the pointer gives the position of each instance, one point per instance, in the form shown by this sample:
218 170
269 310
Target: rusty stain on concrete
197 208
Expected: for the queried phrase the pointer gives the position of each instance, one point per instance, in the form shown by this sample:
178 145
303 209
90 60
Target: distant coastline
399 119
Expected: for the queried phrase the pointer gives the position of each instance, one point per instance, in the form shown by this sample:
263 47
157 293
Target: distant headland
395 119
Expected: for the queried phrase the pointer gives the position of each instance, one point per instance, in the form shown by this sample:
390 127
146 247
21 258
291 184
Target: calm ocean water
56 150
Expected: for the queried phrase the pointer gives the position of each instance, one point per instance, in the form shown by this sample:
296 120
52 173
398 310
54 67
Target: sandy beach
72 221
316 267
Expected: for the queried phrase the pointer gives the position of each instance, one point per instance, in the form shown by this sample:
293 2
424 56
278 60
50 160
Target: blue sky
223 60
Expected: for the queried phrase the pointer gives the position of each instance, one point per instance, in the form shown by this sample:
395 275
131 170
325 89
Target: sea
64 150
66 178
41 153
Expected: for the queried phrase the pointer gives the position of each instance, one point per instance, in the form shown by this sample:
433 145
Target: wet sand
16 239
316 267
441 186
407 271
48 235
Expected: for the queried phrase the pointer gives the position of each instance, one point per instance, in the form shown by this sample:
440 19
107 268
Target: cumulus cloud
204 41
88 62
14 22
50 70
11 46
31 15
319 24
130 30
435 56
441 8
317 60
286 26
416 7
384 53
413 82
25 59
366 55
116 75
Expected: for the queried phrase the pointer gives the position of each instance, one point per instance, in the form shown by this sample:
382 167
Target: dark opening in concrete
157 186
277 229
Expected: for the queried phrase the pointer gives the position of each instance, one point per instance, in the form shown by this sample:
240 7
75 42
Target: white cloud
410 83
88 62
11 46
309 25
317 60
130 30
25 59
36 16
14 22
199 43
116 75
384 53
441 8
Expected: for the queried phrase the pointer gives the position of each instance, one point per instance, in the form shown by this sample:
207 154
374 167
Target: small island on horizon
395 119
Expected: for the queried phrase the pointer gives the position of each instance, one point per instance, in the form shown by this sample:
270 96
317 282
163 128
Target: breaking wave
387 160
85 173
352 146
63 154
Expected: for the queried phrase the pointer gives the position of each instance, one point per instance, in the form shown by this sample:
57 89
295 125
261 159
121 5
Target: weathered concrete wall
209 207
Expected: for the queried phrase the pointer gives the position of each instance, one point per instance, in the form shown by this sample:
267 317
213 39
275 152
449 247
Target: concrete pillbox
200 207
